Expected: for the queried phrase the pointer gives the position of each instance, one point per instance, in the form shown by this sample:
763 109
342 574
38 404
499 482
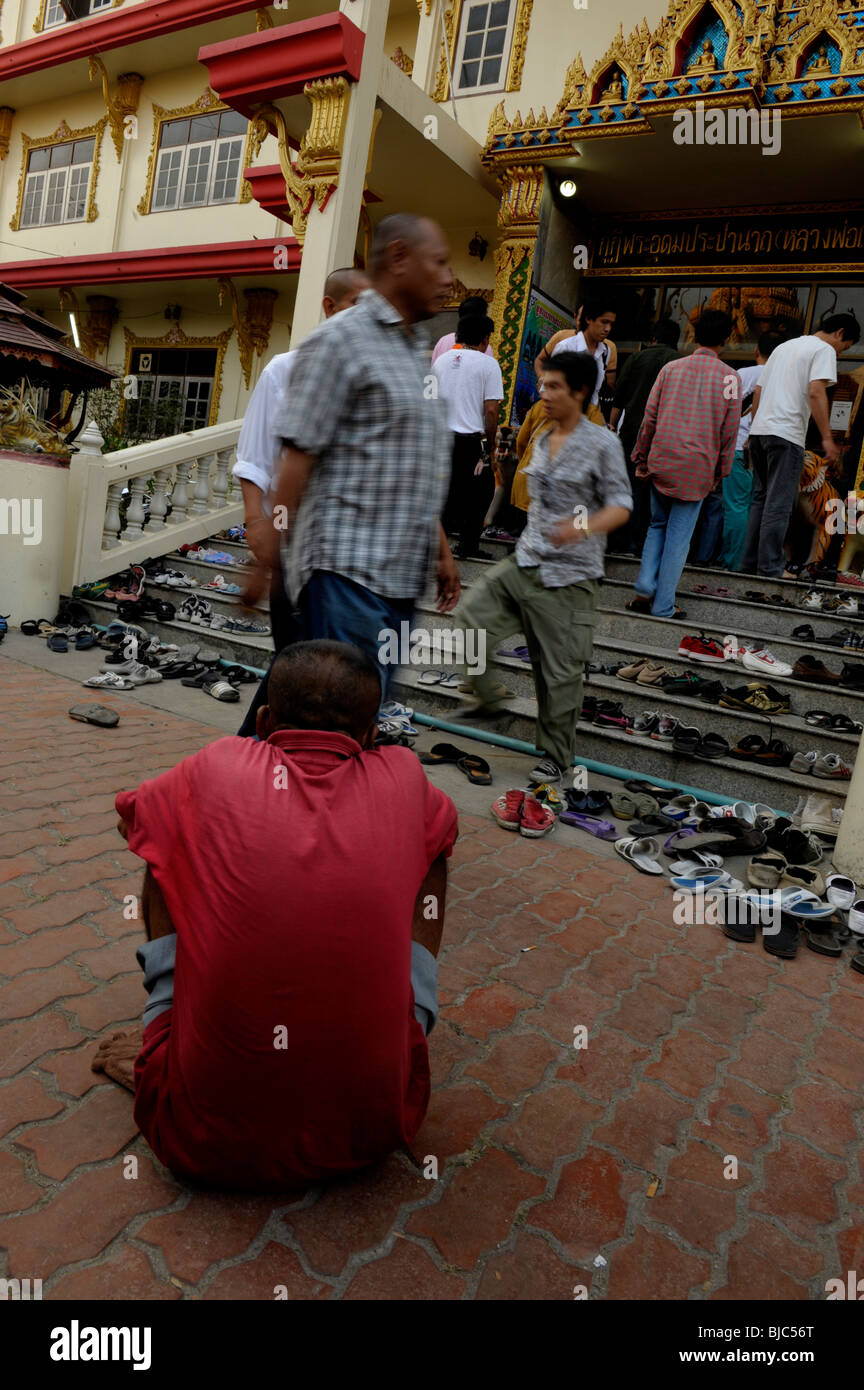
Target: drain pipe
517 745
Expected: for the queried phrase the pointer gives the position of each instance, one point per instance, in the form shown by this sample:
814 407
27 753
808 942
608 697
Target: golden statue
820 64
615 90
706 62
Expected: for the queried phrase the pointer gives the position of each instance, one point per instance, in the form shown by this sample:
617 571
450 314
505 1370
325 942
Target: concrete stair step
644 756
626 568
252 651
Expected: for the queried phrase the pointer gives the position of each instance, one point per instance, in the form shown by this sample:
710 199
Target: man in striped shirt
685 447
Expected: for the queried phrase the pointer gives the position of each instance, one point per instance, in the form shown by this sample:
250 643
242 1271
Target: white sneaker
821 815
832 767
765 663
856 917
812 600
140 675
848 608
840 891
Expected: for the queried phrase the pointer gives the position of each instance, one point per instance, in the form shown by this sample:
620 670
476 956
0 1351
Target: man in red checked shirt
294 904
685 447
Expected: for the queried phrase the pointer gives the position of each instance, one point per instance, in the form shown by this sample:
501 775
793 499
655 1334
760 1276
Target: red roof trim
113 29
279 62
166 263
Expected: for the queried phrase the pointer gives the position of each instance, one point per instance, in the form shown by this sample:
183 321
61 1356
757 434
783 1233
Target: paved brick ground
548 1156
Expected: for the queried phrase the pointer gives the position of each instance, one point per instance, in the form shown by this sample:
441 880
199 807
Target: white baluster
112 517
180 494
201 503
90 441
135 514
220 482
159 500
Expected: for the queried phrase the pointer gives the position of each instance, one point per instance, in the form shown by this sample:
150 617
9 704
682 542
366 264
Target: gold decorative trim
695 272
7 116
452 26
519 222
314 176
460 292
207 103
253 326
62 135
263 20
175 337
124 102
520 44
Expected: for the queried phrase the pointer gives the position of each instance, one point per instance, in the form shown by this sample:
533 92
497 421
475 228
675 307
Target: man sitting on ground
294 905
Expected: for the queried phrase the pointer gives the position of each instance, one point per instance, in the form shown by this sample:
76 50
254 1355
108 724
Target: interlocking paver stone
697 1050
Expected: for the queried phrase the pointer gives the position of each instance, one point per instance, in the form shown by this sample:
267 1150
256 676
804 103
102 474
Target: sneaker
848 607
645 723
703 649
631 672
813 599
537 820
780 698
245 625
545 771
804 762
187 610
174 579
653 675
765 663
854 642
221 585
851 675
832 766
665 731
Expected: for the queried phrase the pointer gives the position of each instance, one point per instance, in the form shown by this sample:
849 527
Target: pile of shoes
199 613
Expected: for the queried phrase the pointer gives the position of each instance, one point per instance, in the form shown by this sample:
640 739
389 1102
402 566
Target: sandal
642 854
220 690
57 642
477 770
443 753
95 714
109 681
32 627
595 825
242 674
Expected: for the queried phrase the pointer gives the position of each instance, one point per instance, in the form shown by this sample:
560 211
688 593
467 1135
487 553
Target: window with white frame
483 49
55 13
200 161
57 183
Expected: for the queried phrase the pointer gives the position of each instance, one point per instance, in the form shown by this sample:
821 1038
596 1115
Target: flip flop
477 770
599 828
220 690
586 803
109 681
95 714
443 753
641 853
823 943
430 678
84 641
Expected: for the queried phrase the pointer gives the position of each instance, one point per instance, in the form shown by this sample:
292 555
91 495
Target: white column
201 504
159 500
849 850
89 452
331 235
110 539
135 514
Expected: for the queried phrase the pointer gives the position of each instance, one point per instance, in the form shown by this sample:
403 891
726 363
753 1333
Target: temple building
209 165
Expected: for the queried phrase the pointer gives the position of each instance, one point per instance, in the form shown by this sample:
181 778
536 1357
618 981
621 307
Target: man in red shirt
685 446
294 903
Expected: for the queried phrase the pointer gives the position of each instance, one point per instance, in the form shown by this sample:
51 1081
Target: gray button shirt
360 401
589 471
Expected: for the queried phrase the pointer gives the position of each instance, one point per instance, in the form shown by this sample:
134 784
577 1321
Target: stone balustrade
186 479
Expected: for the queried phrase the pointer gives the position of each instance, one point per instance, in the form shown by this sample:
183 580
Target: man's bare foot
116 1057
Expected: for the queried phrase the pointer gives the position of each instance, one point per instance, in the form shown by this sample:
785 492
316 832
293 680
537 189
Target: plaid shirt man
588 471
359 403
687 440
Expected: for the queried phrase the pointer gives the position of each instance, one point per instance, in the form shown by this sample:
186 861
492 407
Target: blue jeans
665 552
710 529
340 610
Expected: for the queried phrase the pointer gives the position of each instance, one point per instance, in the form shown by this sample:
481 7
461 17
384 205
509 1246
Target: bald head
327 686
343 288
409 263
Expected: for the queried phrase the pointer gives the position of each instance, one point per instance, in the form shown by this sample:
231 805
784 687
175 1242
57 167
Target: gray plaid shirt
360 403
588 471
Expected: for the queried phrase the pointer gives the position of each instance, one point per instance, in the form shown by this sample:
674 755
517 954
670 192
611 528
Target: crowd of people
299 1051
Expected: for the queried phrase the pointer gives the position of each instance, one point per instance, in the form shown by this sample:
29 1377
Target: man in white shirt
597 320
259 450
471 308
470 384
792 387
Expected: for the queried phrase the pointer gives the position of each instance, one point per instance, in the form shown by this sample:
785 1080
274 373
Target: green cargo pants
558 625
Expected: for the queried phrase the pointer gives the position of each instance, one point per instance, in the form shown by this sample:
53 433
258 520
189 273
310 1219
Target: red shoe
537 819
703 649
507 810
